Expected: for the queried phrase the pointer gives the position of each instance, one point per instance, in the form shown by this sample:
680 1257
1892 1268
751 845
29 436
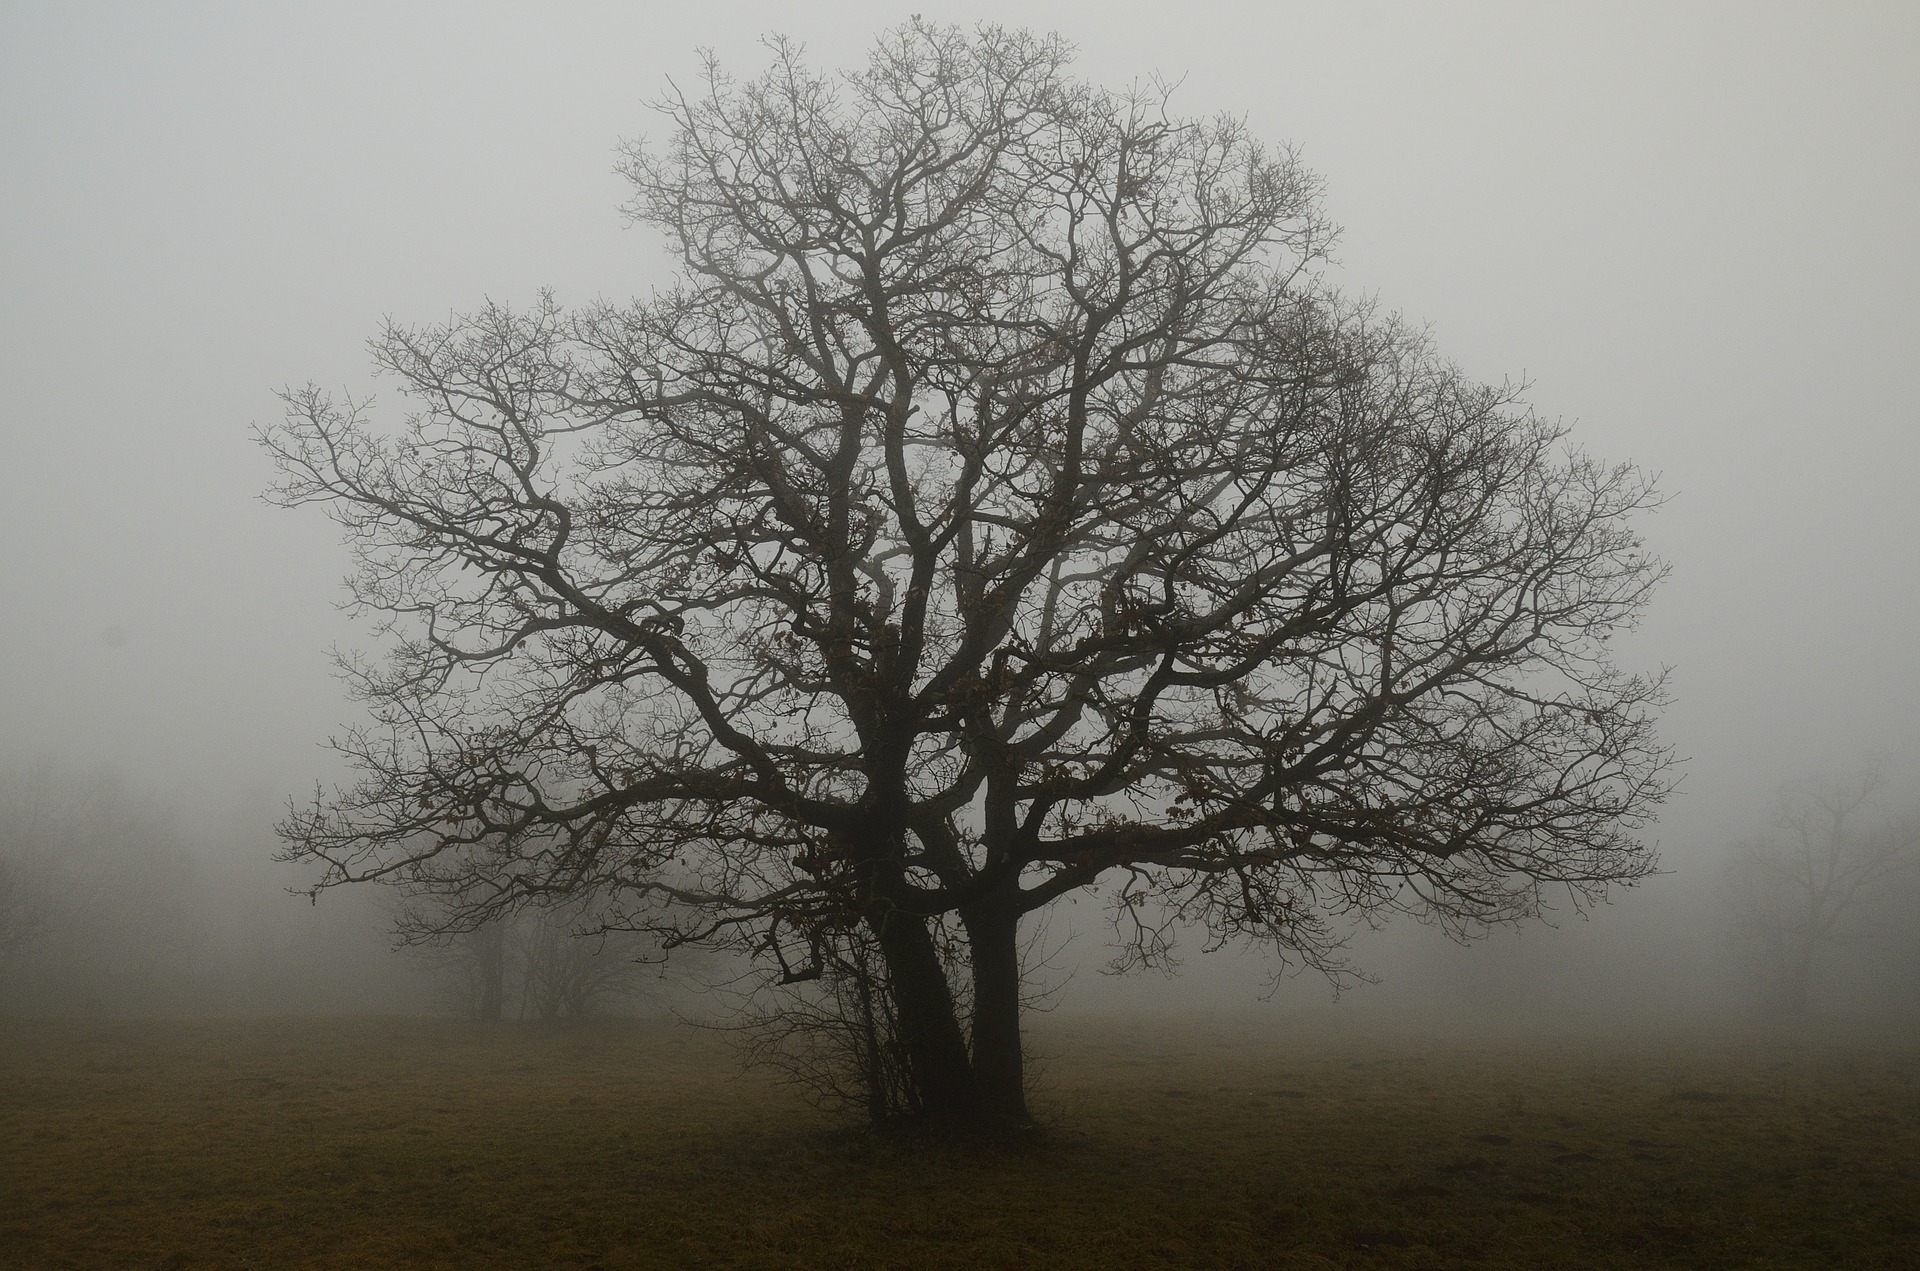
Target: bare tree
1813 883
571 967
549 963
999 505
472 966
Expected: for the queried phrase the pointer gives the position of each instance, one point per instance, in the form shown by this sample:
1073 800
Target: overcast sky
1693 228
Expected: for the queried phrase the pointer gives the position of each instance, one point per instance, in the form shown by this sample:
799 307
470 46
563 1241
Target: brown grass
434 1144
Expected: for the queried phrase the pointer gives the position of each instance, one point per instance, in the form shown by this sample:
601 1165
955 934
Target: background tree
552 963
472 966
21 912
999 505
101 905
571 967
1819 881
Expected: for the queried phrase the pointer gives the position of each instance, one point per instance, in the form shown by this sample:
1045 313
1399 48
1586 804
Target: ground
1198 1143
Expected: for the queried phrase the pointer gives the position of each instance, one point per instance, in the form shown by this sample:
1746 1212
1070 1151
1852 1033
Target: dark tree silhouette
999 505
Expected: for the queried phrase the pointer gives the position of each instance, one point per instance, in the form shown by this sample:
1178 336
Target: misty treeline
121 902
118 901
1000 507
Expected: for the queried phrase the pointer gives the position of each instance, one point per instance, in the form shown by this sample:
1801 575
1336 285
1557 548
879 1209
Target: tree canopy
1000 503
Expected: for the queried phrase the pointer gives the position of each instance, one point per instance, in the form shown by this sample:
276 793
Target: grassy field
434 1144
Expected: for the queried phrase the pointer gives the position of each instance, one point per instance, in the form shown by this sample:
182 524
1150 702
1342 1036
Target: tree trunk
930 1029
999 1065
1798 991
489 945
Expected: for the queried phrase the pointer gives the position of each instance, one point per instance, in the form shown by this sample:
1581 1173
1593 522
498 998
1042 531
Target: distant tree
548 964
998 506
567 973
1815 882
99 900
475 963
21 913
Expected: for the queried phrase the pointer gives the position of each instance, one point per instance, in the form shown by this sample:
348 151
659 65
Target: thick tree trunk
999 1063
930 1030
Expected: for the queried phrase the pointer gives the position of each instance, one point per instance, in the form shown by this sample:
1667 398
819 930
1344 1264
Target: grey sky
1692 227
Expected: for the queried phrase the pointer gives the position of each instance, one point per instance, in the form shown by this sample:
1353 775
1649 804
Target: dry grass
432 1144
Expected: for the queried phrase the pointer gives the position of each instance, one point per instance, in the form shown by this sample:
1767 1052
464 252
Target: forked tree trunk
979 1092
968 1091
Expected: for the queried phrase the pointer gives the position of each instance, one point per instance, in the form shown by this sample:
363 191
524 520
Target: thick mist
1690 231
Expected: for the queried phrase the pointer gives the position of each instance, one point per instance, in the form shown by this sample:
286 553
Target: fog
1690 229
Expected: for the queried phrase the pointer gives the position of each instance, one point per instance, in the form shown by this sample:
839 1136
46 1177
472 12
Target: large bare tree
998 506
